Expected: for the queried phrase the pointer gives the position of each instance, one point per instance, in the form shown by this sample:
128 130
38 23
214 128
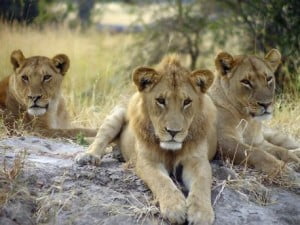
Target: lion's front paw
272 167
173 208
288 156
296 152
86 158
200 214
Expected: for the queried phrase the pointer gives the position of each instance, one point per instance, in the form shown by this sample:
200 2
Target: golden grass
99 71
287 116
8 178
97 75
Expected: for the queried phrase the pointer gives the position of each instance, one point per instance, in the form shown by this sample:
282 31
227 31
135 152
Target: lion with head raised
243 93
169 121
33 94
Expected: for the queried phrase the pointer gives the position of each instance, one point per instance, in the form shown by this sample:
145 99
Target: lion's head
249 82
172 99
37 80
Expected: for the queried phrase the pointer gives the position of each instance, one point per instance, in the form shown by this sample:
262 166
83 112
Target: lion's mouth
263 116
171 145
36 110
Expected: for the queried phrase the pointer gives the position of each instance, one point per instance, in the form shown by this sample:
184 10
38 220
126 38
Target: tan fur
244 94
169 97
33 94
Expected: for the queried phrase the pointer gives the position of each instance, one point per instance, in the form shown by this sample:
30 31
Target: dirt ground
52 189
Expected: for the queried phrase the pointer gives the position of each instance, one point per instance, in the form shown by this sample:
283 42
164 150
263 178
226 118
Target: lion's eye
161 101
187 102
47 77
246 82
25 78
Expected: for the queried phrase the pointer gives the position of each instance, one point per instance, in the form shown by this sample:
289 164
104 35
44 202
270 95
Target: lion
168 122
243 93
32 93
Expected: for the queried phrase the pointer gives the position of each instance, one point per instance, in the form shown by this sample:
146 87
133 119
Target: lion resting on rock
243 93
33 94
170 121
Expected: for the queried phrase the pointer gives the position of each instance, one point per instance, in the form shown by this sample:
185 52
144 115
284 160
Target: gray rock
20 211
6 221
223 173
65 193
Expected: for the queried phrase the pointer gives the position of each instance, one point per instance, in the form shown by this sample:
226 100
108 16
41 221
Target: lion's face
249 82
171 96
37 80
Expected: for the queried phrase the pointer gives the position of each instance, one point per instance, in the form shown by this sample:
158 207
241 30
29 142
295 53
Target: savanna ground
100 72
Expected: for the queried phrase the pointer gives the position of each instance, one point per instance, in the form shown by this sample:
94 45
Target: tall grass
99 71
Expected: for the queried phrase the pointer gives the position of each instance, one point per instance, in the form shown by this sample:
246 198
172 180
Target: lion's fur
145 128
174 78
32 93
241 105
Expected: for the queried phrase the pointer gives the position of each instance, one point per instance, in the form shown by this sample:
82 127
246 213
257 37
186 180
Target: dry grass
9 186
141 210
99 71
287 116
97 75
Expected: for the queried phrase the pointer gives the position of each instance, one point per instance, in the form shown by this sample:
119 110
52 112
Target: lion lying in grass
33 94
170 121
244 95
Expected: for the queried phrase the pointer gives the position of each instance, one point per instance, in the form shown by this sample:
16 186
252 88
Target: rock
233 209
62 192
20 211
7 221
223 173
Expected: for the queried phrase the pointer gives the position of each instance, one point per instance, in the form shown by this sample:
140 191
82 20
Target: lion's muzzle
264 111
37 108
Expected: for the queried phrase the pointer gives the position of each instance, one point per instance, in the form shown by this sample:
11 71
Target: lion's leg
296 152
257 157
277 138
171 200
108 131
280 152
240 152
198 178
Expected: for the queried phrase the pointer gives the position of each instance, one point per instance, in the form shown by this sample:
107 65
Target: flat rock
58 191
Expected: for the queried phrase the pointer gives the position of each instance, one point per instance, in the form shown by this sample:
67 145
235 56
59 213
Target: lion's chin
171 145
36 111
265 116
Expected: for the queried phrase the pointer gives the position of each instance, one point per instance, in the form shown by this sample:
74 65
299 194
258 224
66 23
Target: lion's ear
224 62
62 63
16 58
273 58
202 79
145 78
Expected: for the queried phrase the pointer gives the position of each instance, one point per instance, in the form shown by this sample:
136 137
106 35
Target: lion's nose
172 132
34 98
265 105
